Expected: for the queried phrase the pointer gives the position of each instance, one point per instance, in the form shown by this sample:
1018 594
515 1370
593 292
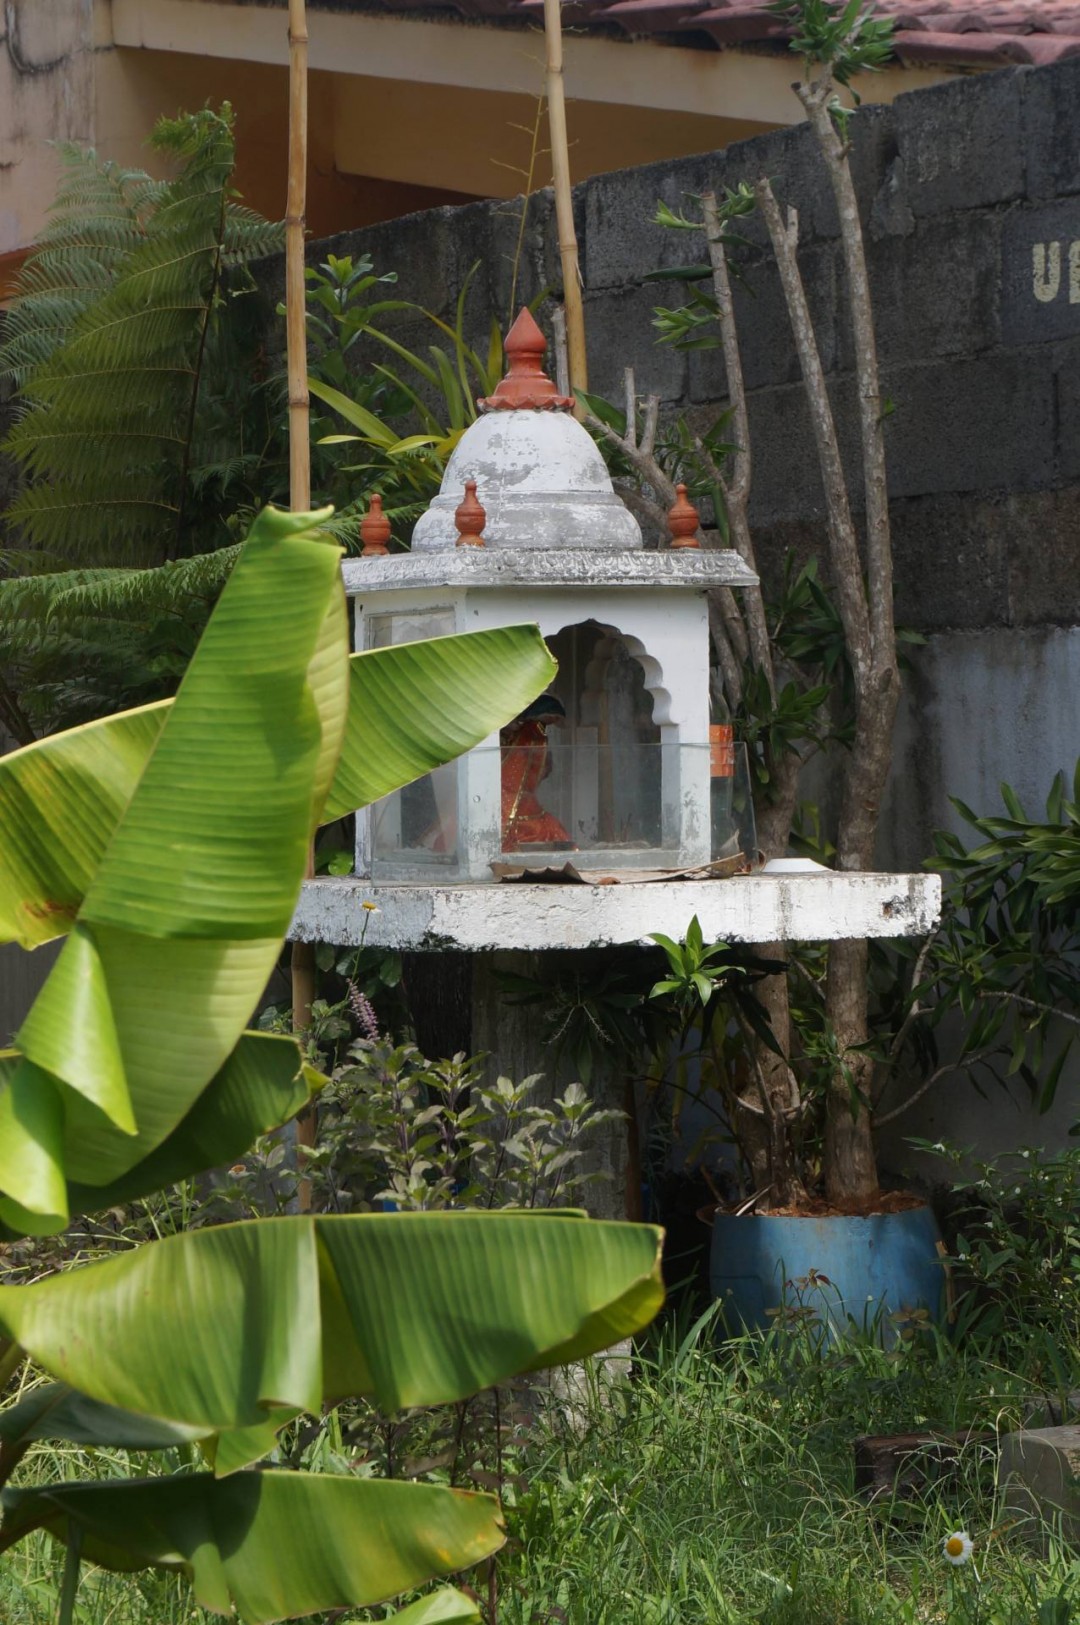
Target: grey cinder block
1040 1475
961 143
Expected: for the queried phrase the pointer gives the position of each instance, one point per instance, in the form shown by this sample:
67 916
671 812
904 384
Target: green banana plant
168 846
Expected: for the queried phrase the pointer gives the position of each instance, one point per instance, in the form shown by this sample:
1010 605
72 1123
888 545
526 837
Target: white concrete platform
744 908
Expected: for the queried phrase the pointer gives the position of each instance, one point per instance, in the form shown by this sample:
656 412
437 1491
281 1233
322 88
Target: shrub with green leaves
1017 1253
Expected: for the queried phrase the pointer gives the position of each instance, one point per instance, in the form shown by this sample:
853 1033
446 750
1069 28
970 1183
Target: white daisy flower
958 1547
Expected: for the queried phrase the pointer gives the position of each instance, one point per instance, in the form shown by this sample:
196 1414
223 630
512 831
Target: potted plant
1001 965
858 1258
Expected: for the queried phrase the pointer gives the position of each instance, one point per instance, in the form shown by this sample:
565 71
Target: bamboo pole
296 204
303 953
564 202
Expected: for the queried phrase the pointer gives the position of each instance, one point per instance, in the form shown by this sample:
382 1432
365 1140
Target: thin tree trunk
303 953
564 202
849 1162
768 1141
867 615
843 542
850 1165
737 489
815 98
778 1092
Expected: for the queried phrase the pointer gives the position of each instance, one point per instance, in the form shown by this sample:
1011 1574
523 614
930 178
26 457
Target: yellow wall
137 87
401 131
380 147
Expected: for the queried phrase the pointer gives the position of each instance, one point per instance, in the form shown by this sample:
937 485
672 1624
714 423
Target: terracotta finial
470 518
684 520
526 384
374 530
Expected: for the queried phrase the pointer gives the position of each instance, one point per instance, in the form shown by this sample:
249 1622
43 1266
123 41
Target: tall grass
717 1488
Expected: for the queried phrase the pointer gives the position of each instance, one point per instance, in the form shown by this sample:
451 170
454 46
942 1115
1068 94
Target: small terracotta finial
374 530
526 384
684 520
470 518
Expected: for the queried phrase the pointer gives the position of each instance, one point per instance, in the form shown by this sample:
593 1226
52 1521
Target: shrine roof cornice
539 568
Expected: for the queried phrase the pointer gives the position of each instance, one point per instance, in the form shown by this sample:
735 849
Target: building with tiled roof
421 102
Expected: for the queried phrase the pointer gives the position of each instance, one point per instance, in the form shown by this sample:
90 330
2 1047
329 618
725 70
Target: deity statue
526 762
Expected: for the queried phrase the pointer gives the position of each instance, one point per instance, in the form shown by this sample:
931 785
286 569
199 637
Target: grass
720 1489
717 1488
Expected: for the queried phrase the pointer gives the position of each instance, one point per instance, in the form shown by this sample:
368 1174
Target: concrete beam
746 908
730 85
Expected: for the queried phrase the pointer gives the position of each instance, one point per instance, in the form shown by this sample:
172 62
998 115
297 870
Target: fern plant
108 344
141 422
80 644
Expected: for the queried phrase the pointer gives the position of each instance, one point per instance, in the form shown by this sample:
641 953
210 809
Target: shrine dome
539 475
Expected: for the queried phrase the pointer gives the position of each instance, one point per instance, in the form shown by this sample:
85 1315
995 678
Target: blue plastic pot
874 1267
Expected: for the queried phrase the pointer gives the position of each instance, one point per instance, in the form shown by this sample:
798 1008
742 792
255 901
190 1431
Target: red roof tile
971 33
978 33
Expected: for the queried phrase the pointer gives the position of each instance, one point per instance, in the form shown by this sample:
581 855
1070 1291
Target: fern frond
107 344
248 236
69 594
93 224
81 643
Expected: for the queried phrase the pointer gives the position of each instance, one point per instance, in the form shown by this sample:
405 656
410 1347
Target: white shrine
612 771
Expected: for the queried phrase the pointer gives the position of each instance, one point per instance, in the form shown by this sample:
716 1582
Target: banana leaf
263 1084
60 801
274 1545
411 708
218 1328
182 920
446 1606
56 1411
417 705
180 924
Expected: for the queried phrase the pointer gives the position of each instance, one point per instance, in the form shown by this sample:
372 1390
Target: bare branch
733 620
815 99
652 417
640 453
726 658
727 625
642 506
629 402
843 544
917 1008
928 1083
1030 1004
737 491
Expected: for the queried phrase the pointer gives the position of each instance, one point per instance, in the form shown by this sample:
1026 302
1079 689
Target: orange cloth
525 764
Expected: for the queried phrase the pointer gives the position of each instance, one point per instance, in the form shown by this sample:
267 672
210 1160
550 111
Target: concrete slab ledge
745 908
540 567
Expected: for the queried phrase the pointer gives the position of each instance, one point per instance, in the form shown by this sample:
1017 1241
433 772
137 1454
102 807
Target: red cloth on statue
525 764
